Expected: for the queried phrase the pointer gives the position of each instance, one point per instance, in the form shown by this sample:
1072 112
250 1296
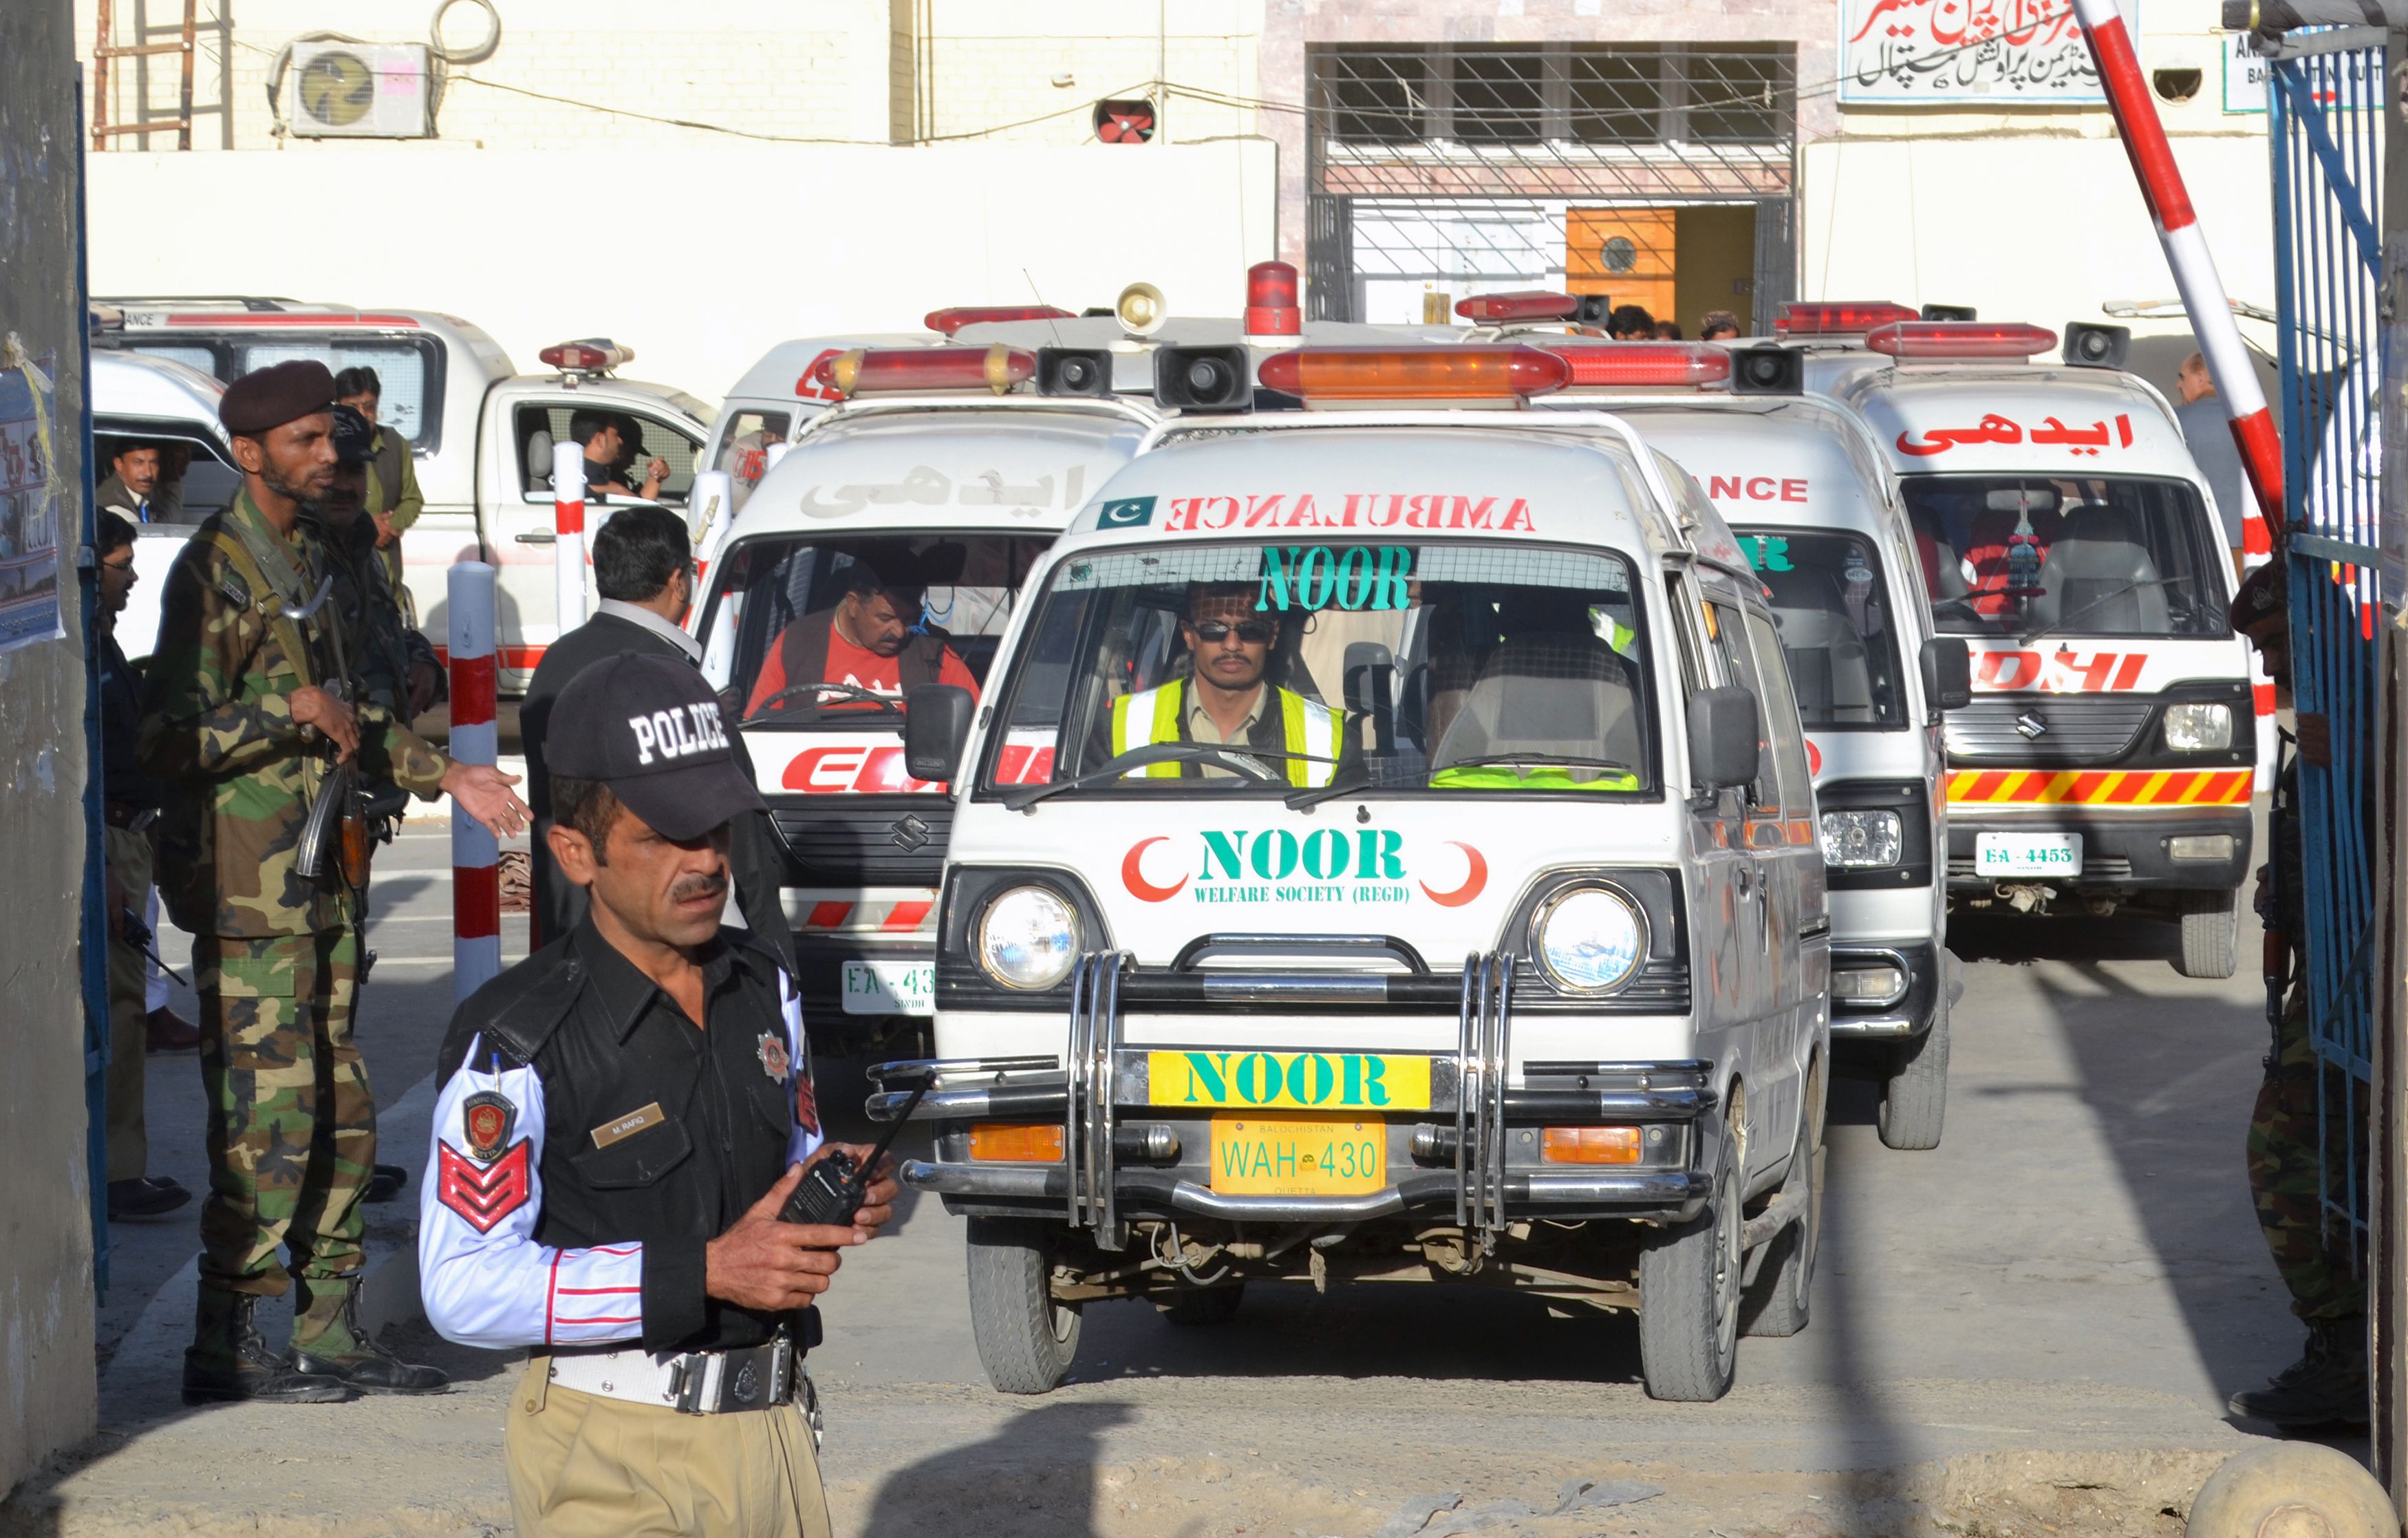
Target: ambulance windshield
2095 556
1836 629
1247 669
827 633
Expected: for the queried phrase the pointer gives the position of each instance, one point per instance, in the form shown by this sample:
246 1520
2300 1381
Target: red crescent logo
1475 879
1814 757
1133 879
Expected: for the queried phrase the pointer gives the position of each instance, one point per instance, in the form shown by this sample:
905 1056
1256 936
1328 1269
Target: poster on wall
2357 70
30 503
1967 53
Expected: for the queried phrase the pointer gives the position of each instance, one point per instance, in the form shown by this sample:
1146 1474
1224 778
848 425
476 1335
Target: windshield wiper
1513 760
2063 620
1246 761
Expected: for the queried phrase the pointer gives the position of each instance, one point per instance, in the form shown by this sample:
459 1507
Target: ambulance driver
863 644
1226 699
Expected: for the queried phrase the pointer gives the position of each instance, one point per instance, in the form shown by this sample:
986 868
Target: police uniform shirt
590 1141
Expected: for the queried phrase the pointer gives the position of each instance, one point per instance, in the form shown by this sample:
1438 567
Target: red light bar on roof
1664 365
591 355
236 320
1415 373
1534 304
1960 339
1839 317
952 321
881 371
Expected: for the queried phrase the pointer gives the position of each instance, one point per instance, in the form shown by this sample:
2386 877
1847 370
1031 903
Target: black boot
228 1362
2326 1386
327 1341
385 1184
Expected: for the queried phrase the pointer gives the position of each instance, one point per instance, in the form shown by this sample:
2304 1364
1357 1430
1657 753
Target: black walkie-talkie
832 1189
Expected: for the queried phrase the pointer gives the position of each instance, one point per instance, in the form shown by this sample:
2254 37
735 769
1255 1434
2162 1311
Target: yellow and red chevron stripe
2098 787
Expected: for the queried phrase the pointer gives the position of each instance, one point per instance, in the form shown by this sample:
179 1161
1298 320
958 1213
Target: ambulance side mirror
1948 673
1725 731
935 729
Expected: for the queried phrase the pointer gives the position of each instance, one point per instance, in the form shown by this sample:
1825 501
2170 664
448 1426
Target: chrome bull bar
1093 1046
1480 1075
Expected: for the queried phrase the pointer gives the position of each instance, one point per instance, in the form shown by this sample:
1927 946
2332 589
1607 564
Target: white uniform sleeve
484 1279
805 1138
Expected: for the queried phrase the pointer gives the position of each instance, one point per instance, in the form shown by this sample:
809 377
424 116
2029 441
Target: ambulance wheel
1203 1306
1777 1304
1915 1097
1026 1339
2207 935
1688 1298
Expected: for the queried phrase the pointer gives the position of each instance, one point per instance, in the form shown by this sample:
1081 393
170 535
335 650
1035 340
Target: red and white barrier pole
569 534
476 870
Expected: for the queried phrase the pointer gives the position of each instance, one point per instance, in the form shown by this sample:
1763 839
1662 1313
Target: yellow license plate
1326 1082
1286 1155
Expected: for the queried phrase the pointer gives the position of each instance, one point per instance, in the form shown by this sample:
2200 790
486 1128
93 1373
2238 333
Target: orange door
1625 252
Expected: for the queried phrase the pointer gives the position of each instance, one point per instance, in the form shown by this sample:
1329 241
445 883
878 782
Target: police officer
1227 699
623 1117
243 721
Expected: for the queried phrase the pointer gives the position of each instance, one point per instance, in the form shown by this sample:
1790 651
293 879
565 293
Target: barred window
1379 97
1499 98
1618 98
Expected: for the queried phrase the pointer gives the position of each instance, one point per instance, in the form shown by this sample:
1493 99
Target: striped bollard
475 873
569 535
709 507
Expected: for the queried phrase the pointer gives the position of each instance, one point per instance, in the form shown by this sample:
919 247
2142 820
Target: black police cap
649 728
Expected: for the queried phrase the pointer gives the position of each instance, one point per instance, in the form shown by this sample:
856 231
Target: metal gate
2325 101
1437 169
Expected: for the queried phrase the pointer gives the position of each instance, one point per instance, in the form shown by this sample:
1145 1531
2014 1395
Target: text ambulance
1423 886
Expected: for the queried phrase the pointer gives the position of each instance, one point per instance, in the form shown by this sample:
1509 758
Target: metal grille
2075 731
861 841
2327 110
1446 169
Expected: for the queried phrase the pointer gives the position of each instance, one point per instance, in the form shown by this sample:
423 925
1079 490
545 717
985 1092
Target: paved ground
2036 1324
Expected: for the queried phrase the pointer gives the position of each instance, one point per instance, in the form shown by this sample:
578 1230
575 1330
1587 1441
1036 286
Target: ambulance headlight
1027 938
1862 840
2201 726
1589 940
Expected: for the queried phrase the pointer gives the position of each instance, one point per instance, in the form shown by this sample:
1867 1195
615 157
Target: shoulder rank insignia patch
237 591
774 1056
486 1121
483 1195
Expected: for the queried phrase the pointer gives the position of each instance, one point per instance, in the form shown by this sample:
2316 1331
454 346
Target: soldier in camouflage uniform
243 720
2327 1384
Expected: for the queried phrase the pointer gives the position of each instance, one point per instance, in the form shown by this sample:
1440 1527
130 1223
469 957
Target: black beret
353 436
273 396
2262 602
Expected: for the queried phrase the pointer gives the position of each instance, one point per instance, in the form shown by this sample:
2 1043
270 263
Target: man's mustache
690 887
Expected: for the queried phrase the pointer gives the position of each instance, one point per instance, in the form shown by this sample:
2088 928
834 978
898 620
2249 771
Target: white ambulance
1423 884
945 494
2107 760
482 433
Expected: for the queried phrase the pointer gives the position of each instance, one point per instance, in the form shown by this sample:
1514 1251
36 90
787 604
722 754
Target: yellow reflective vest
1155 716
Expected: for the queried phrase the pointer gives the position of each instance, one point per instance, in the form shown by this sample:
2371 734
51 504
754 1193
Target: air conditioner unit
360 91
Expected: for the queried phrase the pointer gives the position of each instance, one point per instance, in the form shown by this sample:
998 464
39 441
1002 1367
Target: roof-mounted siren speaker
1592 308
2098 346
1949 313
1074 371
1766 370
1203 378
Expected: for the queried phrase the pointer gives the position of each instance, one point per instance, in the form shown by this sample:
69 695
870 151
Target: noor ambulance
2108 757
950 493
1423 885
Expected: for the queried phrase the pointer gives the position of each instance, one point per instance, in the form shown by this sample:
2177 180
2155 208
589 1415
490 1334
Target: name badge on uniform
627 1126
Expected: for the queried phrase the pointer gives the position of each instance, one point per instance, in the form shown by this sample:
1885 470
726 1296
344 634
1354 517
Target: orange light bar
874 370
1529 304
1666 364
1016 1143
1839 317
1590 1145
1960 339
1415 373
952 321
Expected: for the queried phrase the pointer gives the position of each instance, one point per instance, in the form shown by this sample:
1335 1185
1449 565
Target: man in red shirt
863 642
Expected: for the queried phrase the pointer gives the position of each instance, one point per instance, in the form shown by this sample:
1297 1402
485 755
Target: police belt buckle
710 1383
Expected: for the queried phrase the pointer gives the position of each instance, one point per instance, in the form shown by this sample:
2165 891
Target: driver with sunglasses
1227 699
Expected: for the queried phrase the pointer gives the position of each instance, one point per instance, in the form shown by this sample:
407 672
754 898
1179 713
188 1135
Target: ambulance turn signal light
1416 373
878 370
1016 1143
1960 339
951 321
1606 365
1838 317
1533 304
1590 1145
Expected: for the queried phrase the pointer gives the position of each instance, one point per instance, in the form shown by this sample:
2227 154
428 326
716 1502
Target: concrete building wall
47 1394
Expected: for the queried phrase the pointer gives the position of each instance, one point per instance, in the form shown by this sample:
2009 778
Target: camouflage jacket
217 728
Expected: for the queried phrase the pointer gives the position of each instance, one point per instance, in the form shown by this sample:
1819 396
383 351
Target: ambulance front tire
1198 1306
2209 945
1689 1297
1915 1095
1026 1339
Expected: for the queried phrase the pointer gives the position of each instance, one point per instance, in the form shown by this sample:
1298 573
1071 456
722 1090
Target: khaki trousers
582 1466
129 1143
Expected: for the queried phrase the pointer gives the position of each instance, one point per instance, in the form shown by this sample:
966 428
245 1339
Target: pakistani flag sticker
1126 512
